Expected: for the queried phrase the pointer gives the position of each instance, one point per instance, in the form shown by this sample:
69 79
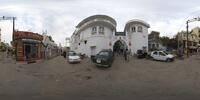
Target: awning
31 41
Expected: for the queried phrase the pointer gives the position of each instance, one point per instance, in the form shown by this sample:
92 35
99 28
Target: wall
98 40
138 39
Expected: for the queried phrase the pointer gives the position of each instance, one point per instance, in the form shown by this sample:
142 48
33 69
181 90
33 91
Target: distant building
28 46
51 48
99 32
154 41
196 31
0 36
67 42
193 39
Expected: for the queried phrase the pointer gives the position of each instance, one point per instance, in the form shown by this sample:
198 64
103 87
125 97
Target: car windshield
72 54
103 53
165 52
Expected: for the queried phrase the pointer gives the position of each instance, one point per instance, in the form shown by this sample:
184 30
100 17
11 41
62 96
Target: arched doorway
119 47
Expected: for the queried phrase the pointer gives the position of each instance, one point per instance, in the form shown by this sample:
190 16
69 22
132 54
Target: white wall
138 39
98 40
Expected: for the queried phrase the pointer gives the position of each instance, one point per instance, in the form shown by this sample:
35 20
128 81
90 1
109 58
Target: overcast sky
59 17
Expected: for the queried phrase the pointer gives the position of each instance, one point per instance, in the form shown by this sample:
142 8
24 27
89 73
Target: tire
110 65
168 60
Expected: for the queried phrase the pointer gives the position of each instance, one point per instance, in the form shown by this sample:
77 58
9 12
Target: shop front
28 46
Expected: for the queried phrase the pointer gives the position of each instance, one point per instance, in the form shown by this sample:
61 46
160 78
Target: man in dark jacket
64 54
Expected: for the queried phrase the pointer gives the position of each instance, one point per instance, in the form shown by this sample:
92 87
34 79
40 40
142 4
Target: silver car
73 57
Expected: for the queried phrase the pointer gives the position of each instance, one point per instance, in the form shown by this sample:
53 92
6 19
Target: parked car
162 55
73 57
141 54
104 58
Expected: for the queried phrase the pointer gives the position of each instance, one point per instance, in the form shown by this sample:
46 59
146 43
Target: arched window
101 30
140 29
94 30
133 29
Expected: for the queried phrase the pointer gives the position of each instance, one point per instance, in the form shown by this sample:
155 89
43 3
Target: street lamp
187 27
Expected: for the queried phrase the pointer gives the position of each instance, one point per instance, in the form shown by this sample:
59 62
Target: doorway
93 50
27 51
119 47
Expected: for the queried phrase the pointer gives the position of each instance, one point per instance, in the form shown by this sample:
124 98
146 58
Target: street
139 79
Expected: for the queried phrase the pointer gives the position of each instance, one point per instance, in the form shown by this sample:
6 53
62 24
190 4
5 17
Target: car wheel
168 60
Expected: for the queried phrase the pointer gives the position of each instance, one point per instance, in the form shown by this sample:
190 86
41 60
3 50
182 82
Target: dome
105 17
136 21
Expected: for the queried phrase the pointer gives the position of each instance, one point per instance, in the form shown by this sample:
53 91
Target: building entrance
119 47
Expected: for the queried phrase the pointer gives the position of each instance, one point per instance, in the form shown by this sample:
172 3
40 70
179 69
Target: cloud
59 17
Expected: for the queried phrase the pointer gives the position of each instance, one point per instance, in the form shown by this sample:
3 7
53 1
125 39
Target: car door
155 55
162 56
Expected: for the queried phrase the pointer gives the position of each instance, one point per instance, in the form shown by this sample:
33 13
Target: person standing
128 54
125 54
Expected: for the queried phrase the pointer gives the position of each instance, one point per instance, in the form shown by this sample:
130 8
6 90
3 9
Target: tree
169 43
164 40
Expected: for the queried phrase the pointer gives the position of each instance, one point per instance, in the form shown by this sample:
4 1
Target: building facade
51 49
0 36
99 32
28 46
154 41
193 40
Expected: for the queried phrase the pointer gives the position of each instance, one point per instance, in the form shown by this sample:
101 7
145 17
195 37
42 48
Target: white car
162 55
73 57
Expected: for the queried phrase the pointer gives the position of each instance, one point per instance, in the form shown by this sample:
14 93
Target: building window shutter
133 29
94 30
140 29
101 30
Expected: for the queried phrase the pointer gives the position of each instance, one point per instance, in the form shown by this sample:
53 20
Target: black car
141 54
104 58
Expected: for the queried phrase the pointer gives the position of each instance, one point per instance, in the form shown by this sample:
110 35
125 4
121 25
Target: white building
51 48
99 32
0 35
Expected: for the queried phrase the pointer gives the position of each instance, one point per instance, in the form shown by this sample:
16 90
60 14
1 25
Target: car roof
106 50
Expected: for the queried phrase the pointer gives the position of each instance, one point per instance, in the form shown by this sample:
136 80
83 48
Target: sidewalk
6 59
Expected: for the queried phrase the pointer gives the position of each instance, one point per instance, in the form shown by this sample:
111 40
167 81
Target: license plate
98 61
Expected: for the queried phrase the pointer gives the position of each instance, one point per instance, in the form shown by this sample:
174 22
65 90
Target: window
140 29
133 29
162 54
94 30
155 53
101 30
165 52
104 53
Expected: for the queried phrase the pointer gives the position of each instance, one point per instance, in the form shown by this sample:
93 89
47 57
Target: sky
60 17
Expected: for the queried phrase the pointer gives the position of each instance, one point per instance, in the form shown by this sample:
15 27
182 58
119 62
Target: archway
119 47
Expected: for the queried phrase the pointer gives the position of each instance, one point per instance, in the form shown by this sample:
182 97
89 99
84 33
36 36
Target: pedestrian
64 54
128 54
125 54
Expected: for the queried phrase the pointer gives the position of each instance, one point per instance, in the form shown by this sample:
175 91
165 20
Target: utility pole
187 46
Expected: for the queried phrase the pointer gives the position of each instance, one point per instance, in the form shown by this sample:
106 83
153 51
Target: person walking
125 54
64 54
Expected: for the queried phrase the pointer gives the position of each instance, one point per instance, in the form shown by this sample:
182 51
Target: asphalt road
137 79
